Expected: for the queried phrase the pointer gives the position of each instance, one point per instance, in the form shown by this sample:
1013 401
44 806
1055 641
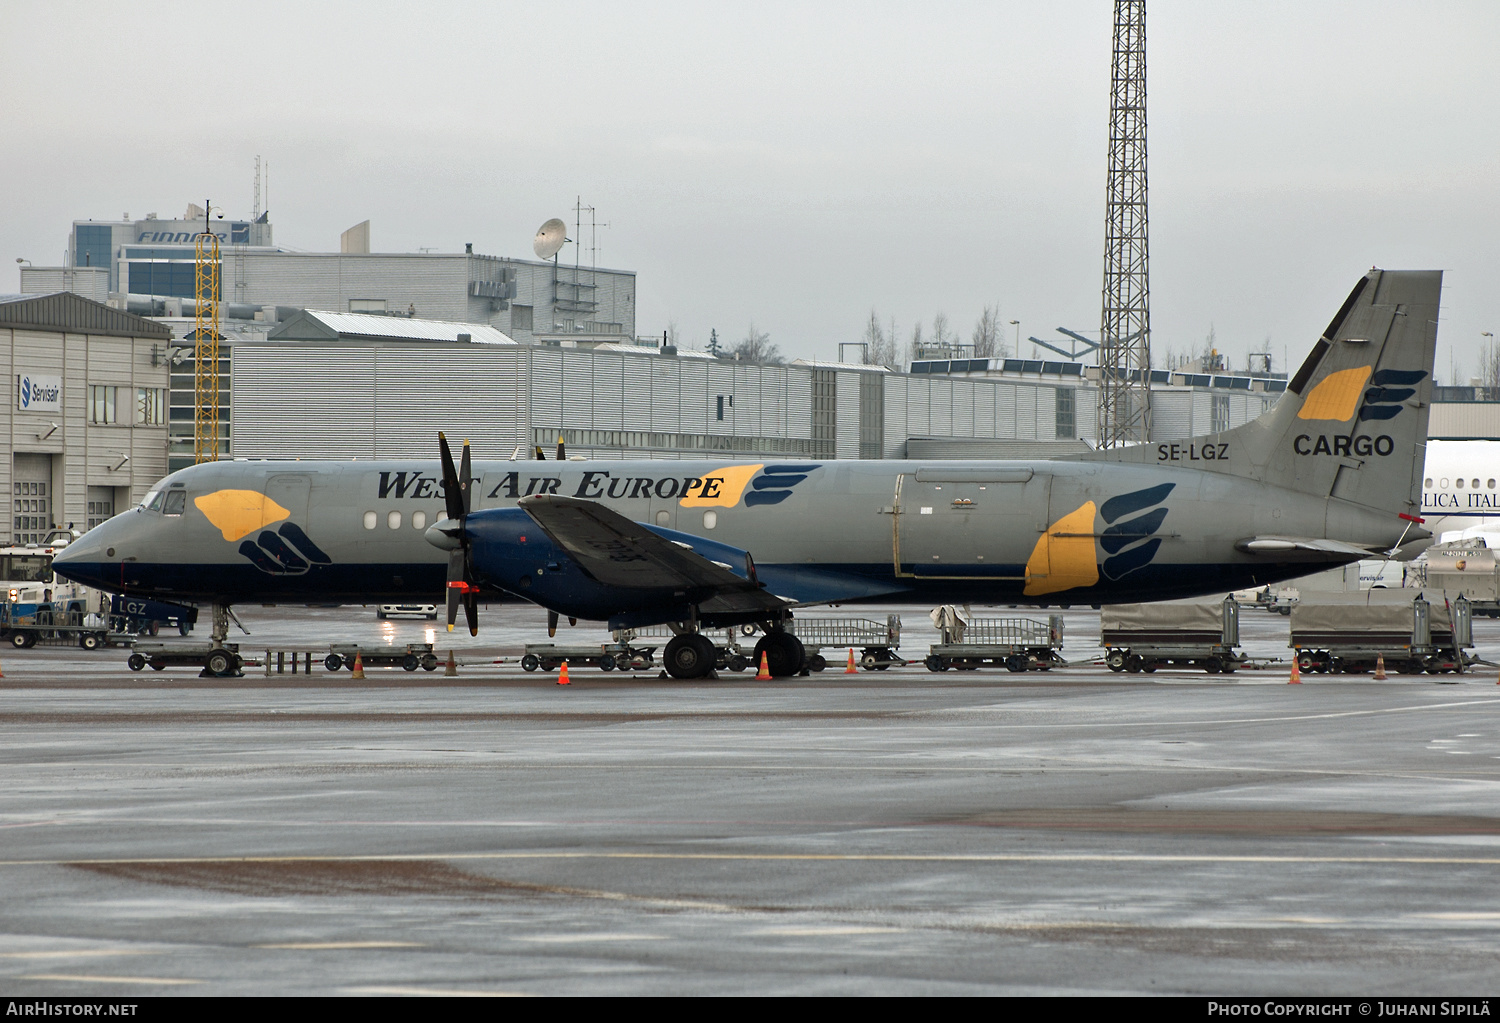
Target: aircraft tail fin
1352 424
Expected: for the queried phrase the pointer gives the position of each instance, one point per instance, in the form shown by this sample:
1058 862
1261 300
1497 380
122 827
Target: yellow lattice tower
206 350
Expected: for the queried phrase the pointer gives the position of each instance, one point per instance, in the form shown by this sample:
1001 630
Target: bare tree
756 346
873 339
986 336
1489 364
672 333
916 340
942 334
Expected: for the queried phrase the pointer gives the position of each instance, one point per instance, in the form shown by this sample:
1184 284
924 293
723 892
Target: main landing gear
690 654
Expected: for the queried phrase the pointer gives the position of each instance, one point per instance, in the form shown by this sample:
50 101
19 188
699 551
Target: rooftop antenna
255 213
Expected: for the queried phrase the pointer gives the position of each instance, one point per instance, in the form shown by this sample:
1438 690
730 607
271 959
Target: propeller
457 498
541 456
562 455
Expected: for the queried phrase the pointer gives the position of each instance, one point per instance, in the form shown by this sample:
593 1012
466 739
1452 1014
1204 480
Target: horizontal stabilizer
1320 549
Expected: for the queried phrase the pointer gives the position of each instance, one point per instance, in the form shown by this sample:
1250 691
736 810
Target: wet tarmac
1076 831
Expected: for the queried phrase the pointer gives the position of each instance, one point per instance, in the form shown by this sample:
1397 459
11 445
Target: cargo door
968 523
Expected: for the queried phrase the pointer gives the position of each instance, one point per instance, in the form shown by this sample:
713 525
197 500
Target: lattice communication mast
206 344
1125 323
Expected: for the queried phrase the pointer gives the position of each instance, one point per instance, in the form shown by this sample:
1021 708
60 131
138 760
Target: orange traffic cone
452 670
852 669
1380 667
764 675
2 674
1296 679
359 666
562 675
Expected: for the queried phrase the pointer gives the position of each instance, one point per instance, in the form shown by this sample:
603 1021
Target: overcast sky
795 165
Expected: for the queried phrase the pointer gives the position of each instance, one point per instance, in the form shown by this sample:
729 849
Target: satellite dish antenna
549 238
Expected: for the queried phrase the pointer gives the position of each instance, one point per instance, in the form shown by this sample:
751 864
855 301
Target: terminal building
86 423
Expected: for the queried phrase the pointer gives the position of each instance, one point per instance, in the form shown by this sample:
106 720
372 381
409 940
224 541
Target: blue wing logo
775 483
1389 390
1131 542
288 551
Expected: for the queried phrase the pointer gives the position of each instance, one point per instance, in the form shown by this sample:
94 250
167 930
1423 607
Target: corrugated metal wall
846 423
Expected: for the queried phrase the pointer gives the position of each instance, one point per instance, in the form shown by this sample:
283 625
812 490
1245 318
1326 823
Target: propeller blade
551 624
466 480
452 496
471 611
456 573
562 455
540 455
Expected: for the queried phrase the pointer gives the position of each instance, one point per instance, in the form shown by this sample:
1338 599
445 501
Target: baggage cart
1017 644
409 658
876 641
217 661
1172 634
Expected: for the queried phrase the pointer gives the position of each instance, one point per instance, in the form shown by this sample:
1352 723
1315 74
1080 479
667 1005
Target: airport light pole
1017 325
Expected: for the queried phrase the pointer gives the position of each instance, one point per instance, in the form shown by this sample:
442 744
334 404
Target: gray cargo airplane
1330 474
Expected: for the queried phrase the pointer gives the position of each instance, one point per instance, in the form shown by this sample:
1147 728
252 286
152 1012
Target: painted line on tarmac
433 992
769 858
89 978
322 946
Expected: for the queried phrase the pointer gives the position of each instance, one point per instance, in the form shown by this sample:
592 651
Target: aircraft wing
1333 550
615 551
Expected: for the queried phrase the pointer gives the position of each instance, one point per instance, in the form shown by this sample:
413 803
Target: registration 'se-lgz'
1330 474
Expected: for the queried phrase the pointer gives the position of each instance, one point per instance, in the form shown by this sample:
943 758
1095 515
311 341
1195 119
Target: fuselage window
710 519
1475 484
1459 483
1443 483
176 502
418 520
1492 484
393 520
1427 483
370 520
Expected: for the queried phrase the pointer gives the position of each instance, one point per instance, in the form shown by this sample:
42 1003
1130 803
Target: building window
150 406
367 305
520 317
102 403
101 505
1066 423
1221 413
92 246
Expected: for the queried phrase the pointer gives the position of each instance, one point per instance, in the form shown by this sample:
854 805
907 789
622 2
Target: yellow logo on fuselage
1337 396
721 488
237 513
1064 556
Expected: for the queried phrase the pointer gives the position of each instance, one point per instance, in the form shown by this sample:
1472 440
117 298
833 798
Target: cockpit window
152 501
176 502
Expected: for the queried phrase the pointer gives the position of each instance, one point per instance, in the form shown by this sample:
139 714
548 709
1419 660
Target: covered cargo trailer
1410 631
1172 634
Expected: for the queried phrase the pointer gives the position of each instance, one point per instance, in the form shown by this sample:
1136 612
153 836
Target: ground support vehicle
1172 634
1017 644
216 660
1467 569
137 616
409 658
876 641
23 626
1414 632
604 656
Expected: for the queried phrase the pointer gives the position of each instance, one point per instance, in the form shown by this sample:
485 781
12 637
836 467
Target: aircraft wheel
1015 662
411 662
736 662
429 662
135 662
817 662
749 630
219 663
934 663
690 655
90 641
530 663
606 662
784 653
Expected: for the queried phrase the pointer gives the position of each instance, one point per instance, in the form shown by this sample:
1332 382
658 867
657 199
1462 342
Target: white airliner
1461 489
